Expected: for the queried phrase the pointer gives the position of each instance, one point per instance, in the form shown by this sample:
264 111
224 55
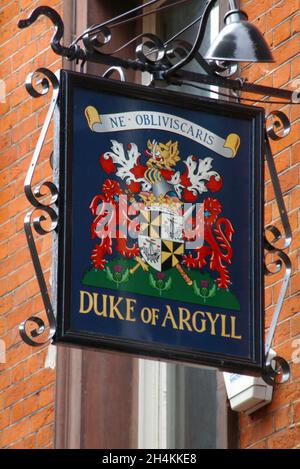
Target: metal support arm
162 68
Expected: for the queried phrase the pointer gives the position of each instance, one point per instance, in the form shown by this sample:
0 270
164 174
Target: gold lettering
146 315
114 307
223 329
203 321
104 305
89 296
130 309
233 321
155 312
213 322
184 321
169 316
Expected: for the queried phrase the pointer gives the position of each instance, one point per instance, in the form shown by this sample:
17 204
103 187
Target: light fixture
239 41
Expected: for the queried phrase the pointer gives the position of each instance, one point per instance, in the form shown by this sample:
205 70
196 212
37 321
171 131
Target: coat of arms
158 184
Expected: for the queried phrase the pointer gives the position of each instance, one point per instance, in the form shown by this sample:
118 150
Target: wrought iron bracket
277 369
167 67
97 38
46 210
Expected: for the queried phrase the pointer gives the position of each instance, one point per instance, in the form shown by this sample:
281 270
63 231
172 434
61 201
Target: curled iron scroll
118 70
152 43
29 334
281 259
277 369
97 41
278 129
280 123
42 212
46 78
52 14
181 49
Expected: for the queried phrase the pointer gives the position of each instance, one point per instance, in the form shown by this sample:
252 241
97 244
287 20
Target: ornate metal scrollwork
95 39
277 369
203 20
165 61
118 70
279 128
52 14
42 211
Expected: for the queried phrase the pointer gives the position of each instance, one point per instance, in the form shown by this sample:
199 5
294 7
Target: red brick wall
278 425
26 386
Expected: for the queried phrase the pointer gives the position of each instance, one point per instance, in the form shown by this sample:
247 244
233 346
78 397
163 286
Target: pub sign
161 215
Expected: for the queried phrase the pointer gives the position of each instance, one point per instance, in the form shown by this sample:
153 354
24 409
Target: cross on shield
161 238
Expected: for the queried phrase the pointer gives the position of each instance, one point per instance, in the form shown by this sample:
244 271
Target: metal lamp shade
239 41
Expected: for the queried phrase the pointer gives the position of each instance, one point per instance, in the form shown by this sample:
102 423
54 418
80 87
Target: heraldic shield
161 237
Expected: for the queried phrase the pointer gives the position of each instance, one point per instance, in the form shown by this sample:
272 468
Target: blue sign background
236 197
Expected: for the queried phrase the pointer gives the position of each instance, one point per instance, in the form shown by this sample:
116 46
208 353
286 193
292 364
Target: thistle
204 290
119 274
161 282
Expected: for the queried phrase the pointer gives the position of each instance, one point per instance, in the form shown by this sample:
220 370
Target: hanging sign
161 220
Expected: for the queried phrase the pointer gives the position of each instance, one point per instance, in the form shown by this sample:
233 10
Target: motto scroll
143 120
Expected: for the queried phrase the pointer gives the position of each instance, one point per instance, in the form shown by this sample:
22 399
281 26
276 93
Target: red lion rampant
217 236
157 182
104 207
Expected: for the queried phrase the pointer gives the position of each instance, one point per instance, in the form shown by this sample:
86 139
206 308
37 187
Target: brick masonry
278 425
26 386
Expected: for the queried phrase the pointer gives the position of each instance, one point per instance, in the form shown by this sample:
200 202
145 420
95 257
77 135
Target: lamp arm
232 5
195 49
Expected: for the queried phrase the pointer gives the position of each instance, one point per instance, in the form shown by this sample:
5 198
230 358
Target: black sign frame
68 82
